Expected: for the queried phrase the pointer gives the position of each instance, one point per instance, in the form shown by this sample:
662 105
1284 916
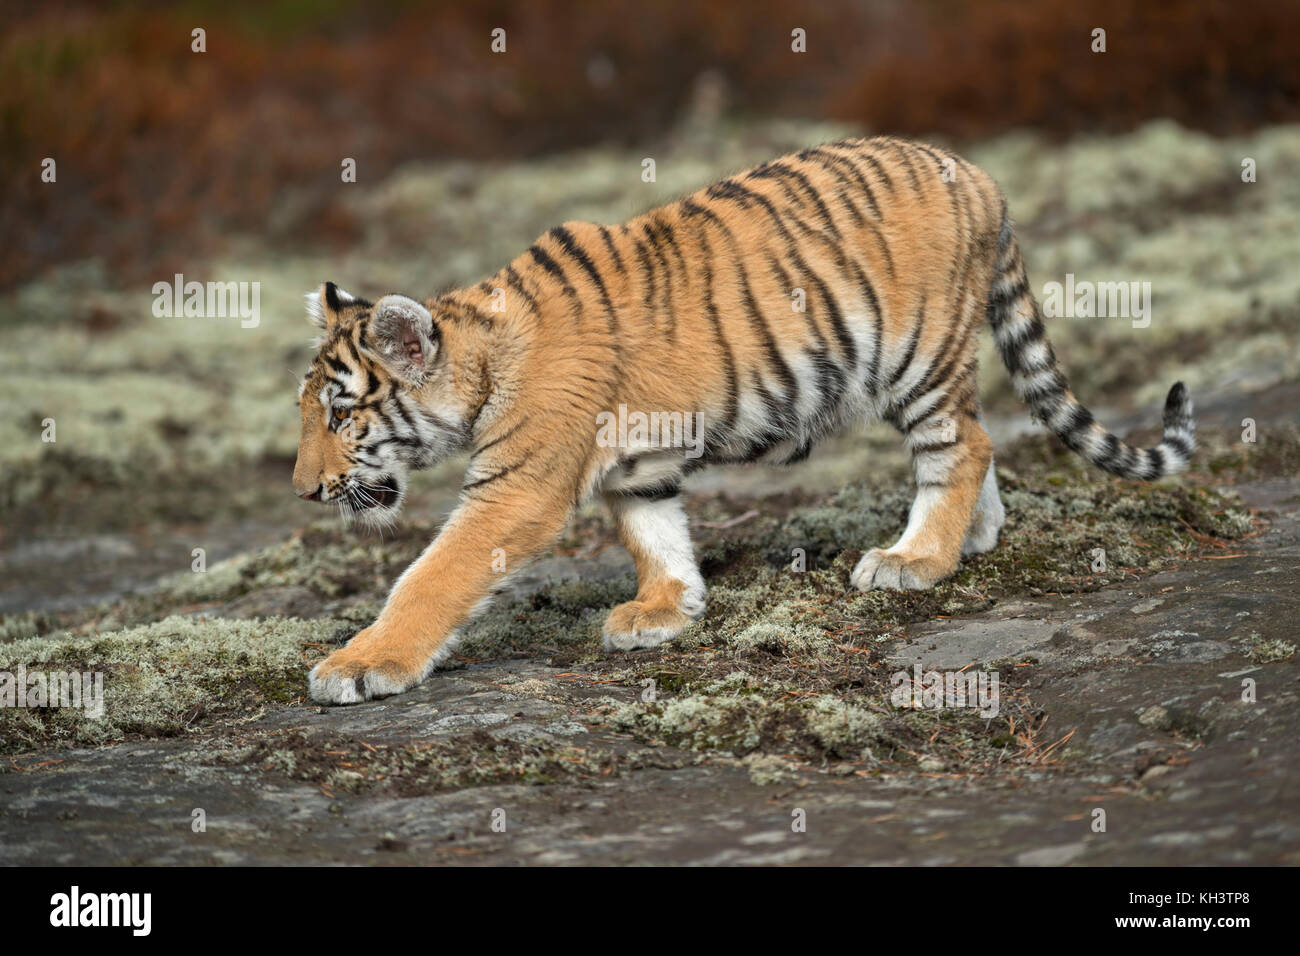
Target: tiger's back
784 300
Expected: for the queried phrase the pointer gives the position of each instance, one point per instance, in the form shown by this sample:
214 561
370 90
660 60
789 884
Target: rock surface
1147 680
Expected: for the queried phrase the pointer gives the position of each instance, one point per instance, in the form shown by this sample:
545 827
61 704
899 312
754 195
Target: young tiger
841 283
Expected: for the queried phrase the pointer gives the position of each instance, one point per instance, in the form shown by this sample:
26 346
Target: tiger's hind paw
637 625
881 569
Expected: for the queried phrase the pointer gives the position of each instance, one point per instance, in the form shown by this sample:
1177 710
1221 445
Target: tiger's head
378 401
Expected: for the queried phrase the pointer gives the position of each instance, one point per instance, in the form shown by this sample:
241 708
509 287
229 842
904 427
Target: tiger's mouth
381 493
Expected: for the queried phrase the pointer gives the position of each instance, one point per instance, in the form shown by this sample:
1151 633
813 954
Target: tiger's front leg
670 590
482 542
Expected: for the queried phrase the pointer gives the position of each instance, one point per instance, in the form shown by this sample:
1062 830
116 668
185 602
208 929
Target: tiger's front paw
899 571
364 670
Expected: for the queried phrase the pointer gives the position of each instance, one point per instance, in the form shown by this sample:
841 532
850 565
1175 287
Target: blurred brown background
163 152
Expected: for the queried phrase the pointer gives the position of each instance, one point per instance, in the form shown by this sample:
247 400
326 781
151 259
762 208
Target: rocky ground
1162 692
1160 688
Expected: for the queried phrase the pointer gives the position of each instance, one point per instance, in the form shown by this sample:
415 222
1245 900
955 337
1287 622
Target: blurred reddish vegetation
162 152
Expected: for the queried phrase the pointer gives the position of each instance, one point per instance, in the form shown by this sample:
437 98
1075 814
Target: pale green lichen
740 713
161 679
1268 650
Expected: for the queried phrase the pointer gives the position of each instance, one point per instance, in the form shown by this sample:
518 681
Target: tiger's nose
313 495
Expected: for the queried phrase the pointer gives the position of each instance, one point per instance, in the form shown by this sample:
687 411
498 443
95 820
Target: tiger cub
748 321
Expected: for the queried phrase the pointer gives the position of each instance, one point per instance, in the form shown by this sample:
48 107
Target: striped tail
1038 380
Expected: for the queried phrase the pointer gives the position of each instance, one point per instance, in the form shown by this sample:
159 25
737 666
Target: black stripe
1006 295
1080 419
781 172
783 278
515 282
403 414
904 157
665 238
758 323
551 266
657 245
906 362
955 349
576 252
873 371
1004 235
1112 450
1013 349
661 491
480 482
1157 459
930 447
341 367
810 156
396 440
905 422
842 334
500 438
728 357
653 246
669 239
833 383
647 270
1039 396
877 167
825 160
609 244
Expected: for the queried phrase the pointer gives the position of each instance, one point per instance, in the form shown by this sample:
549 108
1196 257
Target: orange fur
898 250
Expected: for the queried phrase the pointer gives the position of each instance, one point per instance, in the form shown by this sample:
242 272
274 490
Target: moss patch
161 679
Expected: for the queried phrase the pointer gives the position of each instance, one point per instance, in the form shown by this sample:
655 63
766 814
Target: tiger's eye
340 413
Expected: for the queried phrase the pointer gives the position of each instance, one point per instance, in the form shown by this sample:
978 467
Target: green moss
1268 650
161 679
563 616
740 714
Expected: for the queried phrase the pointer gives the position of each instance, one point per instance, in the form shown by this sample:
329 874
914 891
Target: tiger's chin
374 502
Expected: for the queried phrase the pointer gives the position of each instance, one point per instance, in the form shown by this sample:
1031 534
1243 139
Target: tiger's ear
326 304
404 338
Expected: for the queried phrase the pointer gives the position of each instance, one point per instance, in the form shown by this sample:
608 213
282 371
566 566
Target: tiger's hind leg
956 510
670 590
988 519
